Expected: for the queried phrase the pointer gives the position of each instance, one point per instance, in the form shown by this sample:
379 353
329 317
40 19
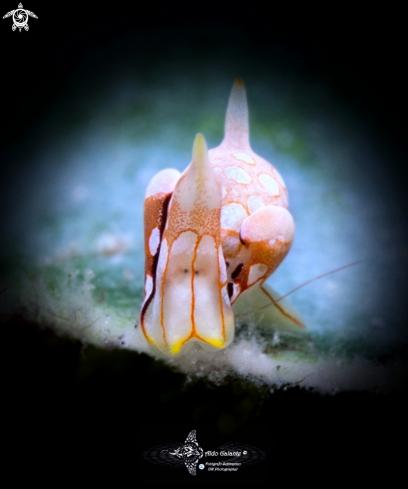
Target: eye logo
20 17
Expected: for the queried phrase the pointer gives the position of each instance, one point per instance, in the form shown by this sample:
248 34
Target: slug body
213 235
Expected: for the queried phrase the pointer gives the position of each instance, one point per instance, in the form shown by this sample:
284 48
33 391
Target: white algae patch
245 359
71 309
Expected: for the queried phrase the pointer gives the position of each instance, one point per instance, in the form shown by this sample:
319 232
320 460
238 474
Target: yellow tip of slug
239 82
215 342
150 339
176 347
200 155
199 148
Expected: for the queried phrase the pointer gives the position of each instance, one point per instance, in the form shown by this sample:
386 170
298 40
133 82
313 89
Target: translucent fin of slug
261 305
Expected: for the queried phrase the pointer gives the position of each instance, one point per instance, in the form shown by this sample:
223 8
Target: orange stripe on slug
193 329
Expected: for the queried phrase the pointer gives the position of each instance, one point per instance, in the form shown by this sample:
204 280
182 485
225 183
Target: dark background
359 51
112 405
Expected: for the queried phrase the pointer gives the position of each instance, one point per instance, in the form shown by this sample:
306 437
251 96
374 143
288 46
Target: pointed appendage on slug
186 297
257 228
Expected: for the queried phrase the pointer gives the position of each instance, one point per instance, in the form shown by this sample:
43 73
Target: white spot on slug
269 183
224 295
184 244
237 174
232 216
148 285
255 272
154 241
231 244
236 291
277 239
221 265
254 203
161 263
244 157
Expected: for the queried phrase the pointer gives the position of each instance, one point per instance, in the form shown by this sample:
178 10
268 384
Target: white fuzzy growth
246 359
80 315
